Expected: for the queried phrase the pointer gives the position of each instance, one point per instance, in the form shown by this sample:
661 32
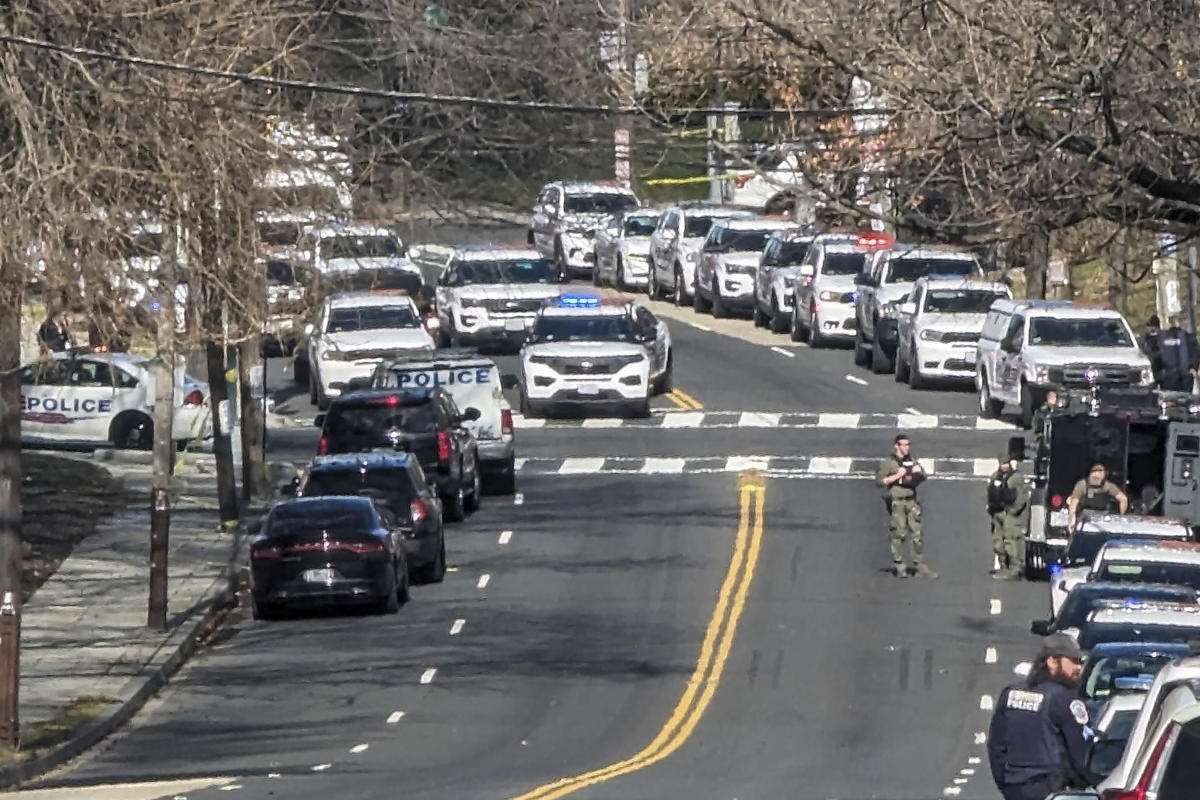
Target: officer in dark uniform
1179 358
1040 415
1096 493
1036 744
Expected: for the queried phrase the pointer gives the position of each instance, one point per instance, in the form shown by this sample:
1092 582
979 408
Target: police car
586 353
939 325
354 332
1136 621
474 382
90 400
489 295
357 255
565 218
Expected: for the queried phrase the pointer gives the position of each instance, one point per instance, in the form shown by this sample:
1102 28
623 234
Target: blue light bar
579 301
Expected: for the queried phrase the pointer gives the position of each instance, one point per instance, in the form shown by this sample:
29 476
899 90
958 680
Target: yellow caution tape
681 181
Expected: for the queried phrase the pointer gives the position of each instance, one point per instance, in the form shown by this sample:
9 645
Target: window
370 246
97 373
606 328
393 484
906 270
696 227
791 254
959 301
1053 332
1182 775
45 373
525 270
843 263
639 226
279 234
743 240
372 318
374 421
1012 336
598 203
1150 572
1101 680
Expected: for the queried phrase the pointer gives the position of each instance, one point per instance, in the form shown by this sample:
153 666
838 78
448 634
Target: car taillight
387 400
1151 772
1056 501
265 552
323 446
443 440
873 241
194 398
358 547
506 427
418 510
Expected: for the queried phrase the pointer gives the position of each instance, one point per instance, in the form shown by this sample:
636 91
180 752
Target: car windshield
909 269
284 273
1121 725
1053 332
639 226
604 203
1178 574
843 263
1100 676
279 234
605 328
1094 634
517 270
743 241
374 421
960 301
373 246
1084 546
372 318
310 197
393 484
792 253
695 227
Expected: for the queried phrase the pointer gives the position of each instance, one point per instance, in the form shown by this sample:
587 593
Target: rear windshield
1100 681
1093 635
843 263
372 318
1179 574
907 270
296 518
639 226
393 484
743 241
598 203
960 301
1079 332
375 421
694 227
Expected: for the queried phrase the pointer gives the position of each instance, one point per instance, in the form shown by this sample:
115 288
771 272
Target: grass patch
43 735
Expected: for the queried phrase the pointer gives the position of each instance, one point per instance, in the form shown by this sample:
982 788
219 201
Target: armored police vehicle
1148 441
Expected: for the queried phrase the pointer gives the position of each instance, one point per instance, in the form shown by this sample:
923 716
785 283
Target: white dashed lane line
980 737
856 379
1023 668
457 627
986 703
427 675
321 767
483 580
700 327
518 499
990 656
505 537
395 717
359 748
974 760
783 352
994 606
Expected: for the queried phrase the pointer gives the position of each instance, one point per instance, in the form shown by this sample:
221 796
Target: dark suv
404 498
424 422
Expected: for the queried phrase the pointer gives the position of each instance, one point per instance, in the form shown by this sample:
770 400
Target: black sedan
327 551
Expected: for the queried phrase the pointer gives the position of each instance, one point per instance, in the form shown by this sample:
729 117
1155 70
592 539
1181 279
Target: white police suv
939 324
105 399
489 295
587 353
354 332
361 256
565 218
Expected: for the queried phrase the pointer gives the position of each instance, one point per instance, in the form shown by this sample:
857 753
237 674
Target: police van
473 382
104 399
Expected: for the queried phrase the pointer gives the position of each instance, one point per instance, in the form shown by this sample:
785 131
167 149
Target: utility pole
716 132
252 386
11 283
1191 289
623 77
163 309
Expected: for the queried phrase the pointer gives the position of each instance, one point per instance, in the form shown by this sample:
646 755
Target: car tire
619 282
475 498
861 356
389 602
680 296
699 304
560 260
435 572
505 481
262 610
653 290
916 380
666 381
641 409
443 338
989 408
761 320
777 322
403 593
881 363
1027 406
596 274
133 432
815 339
455 506
797 333
312 390
903 368
718 303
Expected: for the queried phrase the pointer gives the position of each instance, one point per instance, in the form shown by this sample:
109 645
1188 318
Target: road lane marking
395 717
982 424
830 465
533 422
743 463
663 466
457 627
602 422
916 421
1023 668
989 656
984 467
580 466
505 537
974 760
856 379
518 499
994 606
714 652
986 703
700 327
688 420
966 771
952 791
838 420
483 580
427 675
359 748
755 419
684 400
231 787
961 781
783 352
912 410
321 767
980 737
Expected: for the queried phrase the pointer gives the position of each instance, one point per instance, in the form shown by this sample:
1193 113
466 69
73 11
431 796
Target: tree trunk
1117 274
252 379
218 389
164 424
11 283
1037 257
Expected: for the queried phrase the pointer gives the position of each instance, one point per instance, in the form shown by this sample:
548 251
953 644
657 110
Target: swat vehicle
1149 441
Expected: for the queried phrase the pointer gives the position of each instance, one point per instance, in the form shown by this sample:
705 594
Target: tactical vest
999 494
1095 498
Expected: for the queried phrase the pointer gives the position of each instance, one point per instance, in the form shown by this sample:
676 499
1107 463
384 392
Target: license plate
319 575
1060 518
589 389
969 355
514 325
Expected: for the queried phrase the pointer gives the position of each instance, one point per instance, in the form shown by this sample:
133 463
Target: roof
1129 648
1152 551
1056 308
494 253
1154 614
356 461
1133 525
592 187
757 224
351 229
900 252
369 299
602 310
1118 589
437 358
327 499
717 212
960 282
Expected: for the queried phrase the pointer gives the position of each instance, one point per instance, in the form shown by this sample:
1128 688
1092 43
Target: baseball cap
1097 466
1061 645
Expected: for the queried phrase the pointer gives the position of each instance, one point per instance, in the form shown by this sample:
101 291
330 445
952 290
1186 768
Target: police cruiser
357 255
354 332
107 399
474 382
565 218
939 325
489 295
586 353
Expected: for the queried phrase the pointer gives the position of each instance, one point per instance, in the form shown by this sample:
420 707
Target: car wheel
641 410
620 282
666 381
903 368
699 304
262 610
435 572
560 259
760 317
861 356
680 295
506 480
815 339
443 338
988 407
777 322
1026 406
881 364
718 305
312 390
473 500
653 290
403 595
389 602
915 379
529 240
797 331
596 274
134 432
456 506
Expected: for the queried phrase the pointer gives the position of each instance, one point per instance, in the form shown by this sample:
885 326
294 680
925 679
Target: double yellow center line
684 400
714 652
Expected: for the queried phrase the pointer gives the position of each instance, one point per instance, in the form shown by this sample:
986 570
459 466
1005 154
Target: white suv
939 327
1030 346
565 217
729 261
824 297
675 247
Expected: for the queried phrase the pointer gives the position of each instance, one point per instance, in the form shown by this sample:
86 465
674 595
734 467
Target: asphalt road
648 635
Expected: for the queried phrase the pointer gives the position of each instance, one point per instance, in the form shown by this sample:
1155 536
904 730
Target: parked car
728 262
623 249
1135 663
676 244
565 217
823 299
939 325
777 278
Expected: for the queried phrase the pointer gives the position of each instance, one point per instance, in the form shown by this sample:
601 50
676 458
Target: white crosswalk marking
659 466
916 421
755 419
603 422
739 463
930 465
832 465
984 466
580 466
982 424
689 419
529 422
838 420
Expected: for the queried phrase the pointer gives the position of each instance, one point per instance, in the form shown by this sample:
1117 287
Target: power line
411 97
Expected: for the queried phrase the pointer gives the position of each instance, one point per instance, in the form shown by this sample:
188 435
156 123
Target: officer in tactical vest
1036 744
1178 358
899 475
1007 499
1096 493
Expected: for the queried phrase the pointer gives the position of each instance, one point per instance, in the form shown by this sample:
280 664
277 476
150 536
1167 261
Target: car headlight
1041 374
472 303
1147 376
739 269
329 354
830 297
933 336
888 311
692 257
638 257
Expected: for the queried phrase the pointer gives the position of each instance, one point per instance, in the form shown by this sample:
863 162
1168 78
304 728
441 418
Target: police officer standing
1179 358
1036 744
1007 499
899 475
1040 415
1096 493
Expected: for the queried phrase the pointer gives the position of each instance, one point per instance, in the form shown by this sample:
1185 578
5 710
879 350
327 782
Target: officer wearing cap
1007 499
1036 744
1096 493
899 475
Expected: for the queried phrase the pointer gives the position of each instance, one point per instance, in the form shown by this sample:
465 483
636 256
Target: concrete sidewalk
84 631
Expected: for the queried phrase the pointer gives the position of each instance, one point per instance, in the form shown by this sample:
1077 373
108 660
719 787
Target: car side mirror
906 308
808 271
308 329
471 414
319 421
1041 627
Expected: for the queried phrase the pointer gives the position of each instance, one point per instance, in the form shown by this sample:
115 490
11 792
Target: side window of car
1013 336
770 254
879 270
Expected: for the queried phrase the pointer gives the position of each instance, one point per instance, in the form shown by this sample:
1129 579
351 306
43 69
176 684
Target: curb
172 654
